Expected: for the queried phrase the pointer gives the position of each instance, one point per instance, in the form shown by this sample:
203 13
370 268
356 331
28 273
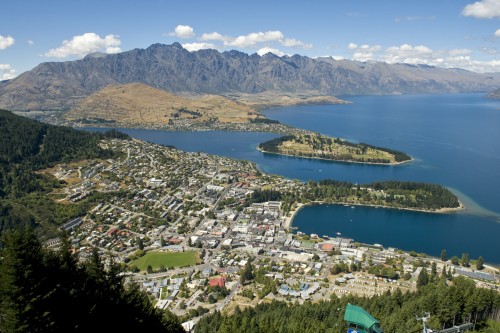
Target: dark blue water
454 139
421 232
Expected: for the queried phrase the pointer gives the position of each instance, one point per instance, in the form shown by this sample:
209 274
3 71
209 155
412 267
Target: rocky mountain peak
59 85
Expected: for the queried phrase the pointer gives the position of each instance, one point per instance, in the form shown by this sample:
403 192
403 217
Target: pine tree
423 278
465 260
247 273
47 291
21 281
443 255
443 272
433 271
480 263
140 244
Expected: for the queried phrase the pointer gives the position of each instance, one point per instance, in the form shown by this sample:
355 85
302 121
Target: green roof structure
357 317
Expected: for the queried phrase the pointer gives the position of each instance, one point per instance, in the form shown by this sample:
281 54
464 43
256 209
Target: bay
412 231
454 140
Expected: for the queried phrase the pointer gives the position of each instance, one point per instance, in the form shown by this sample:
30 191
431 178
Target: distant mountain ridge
494 94
59 85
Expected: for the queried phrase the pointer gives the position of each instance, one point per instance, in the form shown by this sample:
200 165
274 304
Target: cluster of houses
305 290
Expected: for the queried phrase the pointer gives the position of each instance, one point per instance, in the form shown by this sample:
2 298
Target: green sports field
167 259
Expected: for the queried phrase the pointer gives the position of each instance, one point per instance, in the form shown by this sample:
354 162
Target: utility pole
424 321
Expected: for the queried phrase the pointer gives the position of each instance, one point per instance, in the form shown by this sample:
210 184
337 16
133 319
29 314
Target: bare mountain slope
59 85
136 103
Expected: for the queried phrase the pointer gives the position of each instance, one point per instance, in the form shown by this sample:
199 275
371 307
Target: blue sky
448 33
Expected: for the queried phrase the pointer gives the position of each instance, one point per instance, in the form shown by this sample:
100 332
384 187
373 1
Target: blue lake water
454 139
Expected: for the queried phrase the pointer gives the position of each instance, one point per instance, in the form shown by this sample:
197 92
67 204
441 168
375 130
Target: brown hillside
135 103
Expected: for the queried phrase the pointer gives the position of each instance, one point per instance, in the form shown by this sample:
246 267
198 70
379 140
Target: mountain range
494 94
60 85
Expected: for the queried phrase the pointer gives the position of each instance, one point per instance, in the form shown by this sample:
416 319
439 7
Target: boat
352 206
338 234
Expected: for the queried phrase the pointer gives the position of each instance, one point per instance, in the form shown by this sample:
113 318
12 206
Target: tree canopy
448 303
47 291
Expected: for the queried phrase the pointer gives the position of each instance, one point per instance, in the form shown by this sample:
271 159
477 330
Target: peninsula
317 146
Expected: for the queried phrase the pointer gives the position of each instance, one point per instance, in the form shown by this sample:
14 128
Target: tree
423 278
247 273
480 263
140 244
433 271
315 257
443 255
465 260
20 281
149 269
454 260
36 286
443 272
162 241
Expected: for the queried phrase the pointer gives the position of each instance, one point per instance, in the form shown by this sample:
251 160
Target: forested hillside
397 194
449 303
27 145
46 291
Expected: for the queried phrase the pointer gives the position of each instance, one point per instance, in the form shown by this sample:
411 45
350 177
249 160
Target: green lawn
167 259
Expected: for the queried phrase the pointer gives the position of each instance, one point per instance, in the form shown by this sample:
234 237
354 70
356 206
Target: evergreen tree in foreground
45 291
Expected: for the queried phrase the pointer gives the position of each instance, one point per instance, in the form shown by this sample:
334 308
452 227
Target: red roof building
221 282
327 247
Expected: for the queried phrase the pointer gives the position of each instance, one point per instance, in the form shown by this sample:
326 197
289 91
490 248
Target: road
229 297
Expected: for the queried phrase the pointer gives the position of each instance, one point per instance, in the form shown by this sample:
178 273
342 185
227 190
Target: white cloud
414 18
466 62
497 33
6 42
490 51
292 42
456 52
7 72
352 46
30 42
363 56
85 44
255 37
421 54
213 36
483 9
409 54
372 48
183 31
198 46
454 58
266 50
364 52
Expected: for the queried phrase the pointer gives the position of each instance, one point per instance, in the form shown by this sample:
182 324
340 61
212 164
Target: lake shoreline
446 210
337 161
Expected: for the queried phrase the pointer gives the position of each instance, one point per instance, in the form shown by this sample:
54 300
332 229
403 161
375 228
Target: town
201 233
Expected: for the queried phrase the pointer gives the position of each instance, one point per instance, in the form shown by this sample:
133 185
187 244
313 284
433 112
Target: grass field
167 259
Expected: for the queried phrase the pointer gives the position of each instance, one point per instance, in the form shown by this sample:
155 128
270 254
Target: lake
454 139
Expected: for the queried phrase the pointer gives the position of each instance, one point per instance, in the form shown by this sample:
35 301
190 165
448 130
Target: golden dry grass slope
137 103
271 99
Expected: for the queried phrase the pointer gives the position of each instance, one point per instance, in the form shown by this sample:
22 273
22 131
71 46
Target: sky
448 33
